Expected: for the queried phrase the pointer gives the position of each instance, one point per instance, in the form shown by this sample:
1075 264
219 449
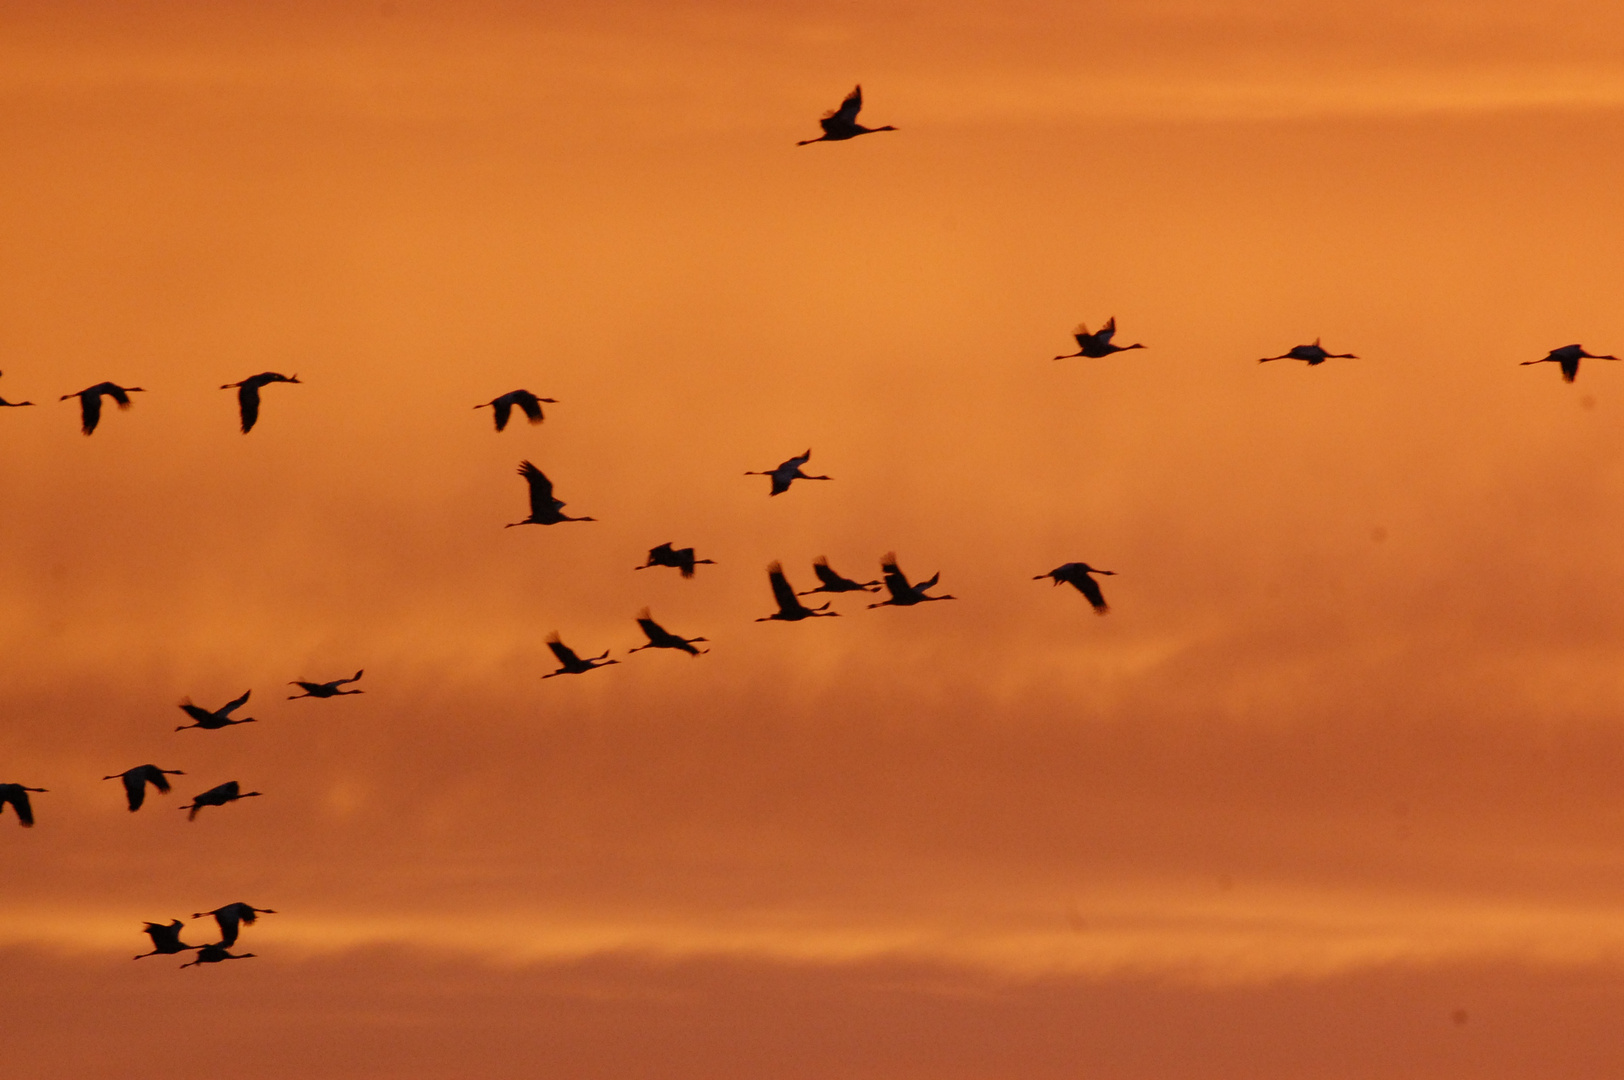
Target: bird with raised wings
325 689
788 472
904 594
1097 344
165 939
229 917
137 779
678 558
216 719
544 509
16 796
661 638
527 403
90 402
1076 574
790 608
1312 354
570 663
1568 357
835 583
841 124
12 404
228 792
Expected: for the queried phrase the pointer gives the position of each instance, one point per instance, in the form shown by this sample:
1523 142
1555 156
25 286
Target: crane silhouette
217 796
788 472
165 939
902 593
1097 344
219 718
661 638
1568 356
528 403
248 395
790 608
90 403
834 583
325 689
1313 354
12 404
137 779
840 124
571 663
213 954
544 509
228 918
679 558
1076 574
17 796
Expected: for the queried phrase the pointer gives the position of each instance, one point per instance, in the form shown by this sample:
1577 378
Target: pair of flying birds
166 936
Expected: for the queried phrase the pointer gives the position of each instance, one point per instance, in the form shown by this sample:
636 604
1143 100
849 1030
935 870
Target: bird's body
544 509
790 608
248 395
137 779
90 403
788 472
1097 344
213 954
12 404
325 689
165 939
219 718
571 664
679 558
834 583
1312 354
1568 357
528 403
17 796
224 793
904 594
840 124
230 916
1076 574
661 638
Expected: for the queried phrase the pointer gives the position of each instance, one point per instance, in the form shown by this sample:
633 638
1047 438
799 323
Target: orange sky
1332 792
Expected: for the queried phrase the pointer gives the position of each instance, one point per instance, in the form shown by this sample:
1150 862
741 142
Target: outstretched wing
230 707
503 408
18 798
135 787
531 406
1082 335
541 490
1106 332
89 412
820 567
928 582
847 113
248 405
895 580
781 590
116 392
796 462
563 652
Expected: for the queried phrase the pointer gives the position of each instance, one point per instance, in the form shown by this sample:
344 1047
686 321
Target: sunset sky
1334 792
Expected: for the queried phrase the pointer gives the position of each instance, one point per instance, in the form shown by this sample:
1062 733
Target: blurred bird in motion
544 509
213 954
902 593
788 472
219 718
790 608
1077 574
834 583
571 663
839 124
325 689
661 638
90 403
165 939
248 395
1568 356
528 403
679 558
1313 354
1097 344
16 795
137 779
230 916
227 792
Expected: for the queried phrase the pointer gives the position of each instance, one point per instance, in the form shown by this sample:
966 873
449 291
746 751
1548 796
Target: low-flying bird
230 916
1097 344
661 638
1314 354
12 404
213 954
788 472
1076 575
679 558
840 124
219 718
902 593
1568 356
528 403
90 403
248 395
217 796
790 608
834 583
544 509
571 663
165 939
325 689
17 796
137 779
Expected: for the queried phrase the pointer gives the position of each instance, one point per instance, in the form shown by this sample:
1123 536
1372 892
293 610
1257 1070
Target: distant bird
12 404
1568 356
137 779
90 404
165 939
572 664
325 689
679 558
219 718
834 583
1097 344
248 395
788 472
213 954
1076 575
217 796
17 796
839 124
902 593
661 638
229 916
544 509
528 403
1311 353
790 608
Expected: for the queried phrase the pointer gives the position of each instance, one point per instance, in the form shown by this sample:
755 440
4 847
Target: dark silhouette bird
679 558
17 796
1097 344
213 954
230 916
1311 353
840 124
137 779
248 395
12 404
902 593
1076 575
572 664
790 608
788 472
219 718
217 796
834 583
544 509
528 403
165 939
661 638
90 403
1568 356
325 689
